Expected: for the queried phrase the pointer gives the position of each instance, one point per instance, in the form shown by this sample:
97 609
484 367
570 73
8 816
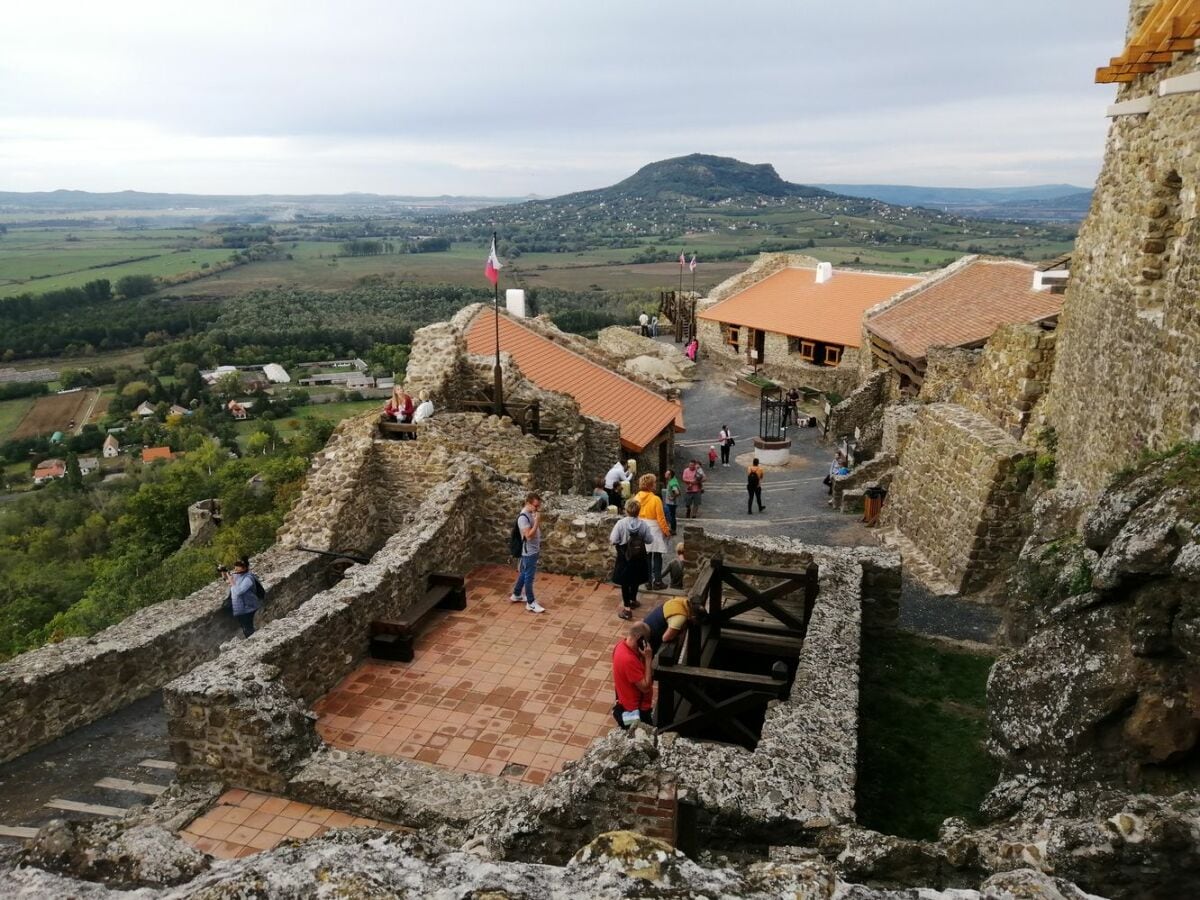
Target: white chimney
514 302
824 272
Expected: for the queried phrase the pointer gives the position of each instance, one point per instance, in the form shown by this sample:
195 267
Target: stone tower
1127 378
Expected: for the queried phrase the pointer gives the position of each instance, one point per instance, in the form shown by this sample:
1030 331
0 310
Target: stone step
157 764
136 787
17 831
95 809
853 500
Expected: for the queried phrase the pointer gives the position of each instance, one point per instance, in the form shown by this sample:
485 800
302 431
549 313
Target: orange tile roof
152 453
964 308
600 392
791 302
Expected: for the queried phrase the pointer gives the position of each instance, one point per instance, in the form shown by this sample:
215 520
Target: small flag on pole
492 270
692 264
682 261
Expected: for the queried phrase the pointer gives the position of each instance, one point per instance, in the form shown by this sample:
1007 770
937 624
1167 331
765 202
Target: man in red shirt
632 677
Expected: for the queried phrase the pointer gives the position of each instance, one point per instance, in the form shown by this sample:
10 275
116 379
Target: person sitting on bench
399 407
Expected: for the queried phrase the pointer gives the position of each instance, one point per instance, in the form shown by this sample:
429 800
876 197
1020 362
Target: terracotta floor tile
304 830
490 684
280 826
233 797
218 831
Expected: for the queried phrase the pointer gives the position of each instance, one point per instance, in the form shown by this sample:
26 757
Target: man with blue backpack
525 544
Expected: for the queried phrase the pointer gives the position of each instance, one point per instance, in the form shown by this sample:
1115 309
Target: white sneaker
513 598
535 607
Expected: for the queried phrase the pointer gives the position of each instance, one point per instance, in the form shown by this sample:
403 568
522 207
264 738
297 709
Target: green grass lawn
288 425
922 726
11 413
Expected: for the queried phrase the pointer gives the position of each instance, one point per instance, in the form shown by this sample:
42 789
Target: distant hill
1038 202
701 177
738 208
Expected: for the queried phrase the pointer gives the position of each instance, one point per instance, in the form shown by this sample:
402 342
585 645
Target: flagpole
680 276
693 276
498 387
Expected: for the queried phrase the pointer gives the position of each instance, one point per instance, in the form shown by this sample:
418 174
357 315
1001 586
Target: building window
731 334
833 354
808 351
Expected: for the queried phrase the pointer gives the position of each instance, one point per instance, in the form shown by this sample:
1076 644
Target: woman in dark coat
631 568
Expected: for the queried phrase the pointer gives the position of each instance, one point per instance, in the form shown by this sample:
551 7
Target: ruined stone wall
52 690
956 493
243 718
337 509
1125 380
946 368
1012 374
862 412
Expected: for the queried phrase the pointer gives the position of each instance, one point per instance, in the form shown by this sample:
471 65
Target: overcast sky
547 96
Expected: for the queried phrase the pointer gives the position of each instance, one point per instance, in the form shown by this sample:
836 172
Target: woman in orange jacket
654 515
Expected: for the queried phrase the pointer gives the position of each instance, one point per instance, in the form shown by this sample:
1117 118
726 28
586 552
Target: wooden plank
17 831
136 787
696 674
756 642
157 764
95 809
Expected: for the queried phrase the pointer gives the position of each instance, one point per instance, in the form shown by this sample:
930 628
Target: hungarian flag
492 270
682 261
692 264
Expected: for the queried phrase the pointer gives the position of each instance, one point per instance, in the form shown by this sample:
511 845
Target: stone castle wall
946 369
957 492
862 412
1125 380
50 691
1012 374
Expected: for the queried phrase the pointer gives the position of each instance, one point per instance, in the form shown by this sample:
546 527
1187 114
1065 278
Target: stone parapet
956 494
50 691
859 416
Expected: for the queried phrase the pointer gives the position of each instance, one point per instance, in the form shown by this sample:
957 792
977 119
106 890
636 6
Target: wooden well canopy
736 616
1170 29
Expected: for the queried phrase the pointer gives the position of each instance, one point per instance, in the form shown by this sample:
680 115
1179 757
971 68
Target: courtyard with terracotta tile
493 689
243 823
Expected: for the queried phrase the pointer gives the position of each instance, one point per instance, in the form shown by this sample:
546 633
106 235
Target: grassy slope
922 728
11 413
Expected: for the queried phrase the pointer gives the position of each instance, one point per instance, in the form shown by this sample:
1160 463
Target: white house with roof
112 447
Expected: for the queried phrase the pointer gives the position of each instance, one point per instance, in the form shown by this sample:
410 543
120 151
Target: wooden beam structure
737 614
1170 29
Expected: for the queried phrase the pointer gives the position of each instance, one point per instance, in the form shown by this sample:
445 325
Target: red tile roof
152 453
600 392
964 308
791 302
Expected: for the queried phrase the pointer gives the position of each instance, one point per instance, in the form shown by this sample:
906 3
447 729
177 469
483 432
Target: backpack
516 543
259 591
752 479
635 545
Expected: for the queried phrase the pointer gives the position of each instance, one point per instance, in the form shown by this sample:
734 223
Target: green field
36 260
11 413
333 411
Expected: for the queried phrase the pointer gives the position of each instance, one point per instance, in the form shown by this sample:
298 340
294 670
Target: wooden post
535 416
812 586
714 596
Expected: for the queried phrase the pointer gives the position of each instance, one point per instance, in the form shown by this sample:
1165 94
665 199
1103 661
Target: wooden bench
398 431
392 639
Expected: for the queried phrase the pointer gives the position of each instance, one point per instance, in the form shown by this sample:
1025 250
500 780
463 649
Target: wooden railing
696 696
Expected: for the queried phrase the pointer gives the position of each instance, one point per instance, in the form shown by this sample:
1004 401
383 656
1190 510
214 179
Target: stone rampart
861 413
1125 380
956 494
946 368
50 691
1011 375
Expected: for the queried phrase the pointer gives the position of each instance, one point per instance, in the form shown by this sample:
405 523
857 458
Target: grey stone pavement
68 768
796 500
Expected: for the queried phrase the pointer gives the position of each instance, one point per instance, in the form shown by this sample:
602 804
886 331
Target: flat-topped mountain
700 176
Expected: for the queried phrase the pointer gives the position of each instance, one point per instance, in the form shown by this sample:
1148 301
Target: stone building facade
1126 381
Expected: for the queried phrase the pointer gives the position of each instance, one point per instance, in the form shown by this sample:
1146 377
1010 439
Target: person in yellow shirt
654 515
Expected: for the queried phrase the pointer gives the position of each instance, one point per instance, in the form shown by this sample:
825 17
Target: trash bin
872 504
